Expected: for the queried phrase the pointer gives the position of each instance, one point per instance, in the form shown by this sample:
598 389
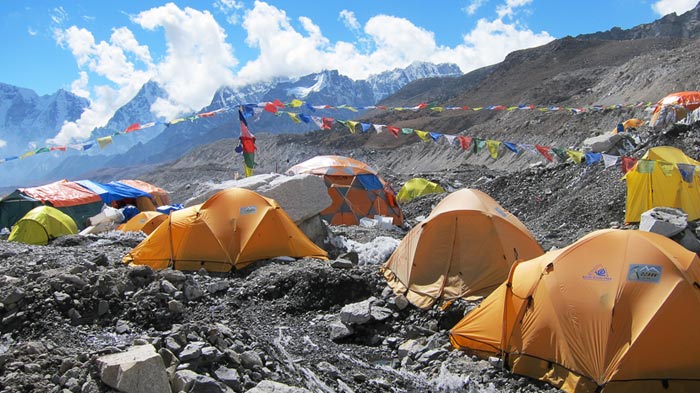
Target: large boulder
139 369
602 143
665 221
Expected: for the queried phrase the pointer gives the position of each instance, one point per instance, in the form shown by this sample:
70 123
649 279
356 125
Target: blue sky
106 50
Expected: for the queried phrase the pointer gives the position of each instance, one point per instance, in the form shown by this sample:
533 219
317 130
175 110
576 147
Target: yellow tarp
417 187
231 229
614 311
663 186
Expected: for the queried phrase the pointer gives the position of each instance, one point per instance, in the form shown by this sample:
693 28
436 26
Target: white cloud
349 20
509 8
197 63
663 7
31 31
395 42
59 16
3 143
473 6
80 86
230 8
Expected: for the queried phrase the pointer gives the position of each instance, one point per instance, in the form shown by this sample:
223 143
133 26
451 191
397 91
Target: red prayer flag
278 103
422 105
206 114
327 123
394 130
133 127
465 141
628 163
544 150
270 107
61 148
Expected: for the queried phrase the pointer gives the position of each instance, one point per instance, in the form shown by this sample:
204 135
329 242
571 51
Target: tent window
370 181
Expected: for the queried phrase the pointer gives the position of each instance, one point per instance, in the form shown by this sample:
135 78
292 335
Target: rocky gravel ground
279 325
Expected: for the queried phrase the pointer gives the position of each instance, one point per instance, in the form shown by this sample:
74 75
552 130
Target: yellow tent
417 187
145 222
617 311
231 229
629 123
664 176
41 224
465 247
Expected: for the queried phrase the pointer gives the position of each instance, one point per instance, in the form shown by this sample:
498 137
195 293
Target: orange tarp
617 311
62 193
159 195
465 247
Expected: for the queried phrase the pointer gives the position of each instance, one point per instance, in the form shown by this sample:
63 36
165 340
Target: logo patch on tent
644 273
248 210
598 273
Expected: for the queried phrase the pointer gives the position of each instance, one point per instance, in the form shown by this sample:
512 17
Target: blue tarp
112 191
167 209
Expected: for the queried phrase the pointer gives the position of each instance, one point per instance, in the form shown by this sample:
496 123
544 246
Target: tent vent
664 382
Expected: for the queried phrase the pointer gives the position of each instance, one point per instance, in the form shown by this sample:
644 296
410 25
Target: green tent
417 187
41 224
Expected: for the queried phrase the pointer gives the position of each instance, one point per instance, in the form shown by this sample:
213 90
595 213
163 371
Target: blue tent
113 191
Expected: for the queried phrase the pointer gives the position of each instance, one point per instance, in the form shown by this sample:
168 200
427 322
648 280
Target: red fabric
248 144
422 105
270 107
278 103
544 150
465 142
133 127
394 130
628 163
206 114
62 193
327 123
61 148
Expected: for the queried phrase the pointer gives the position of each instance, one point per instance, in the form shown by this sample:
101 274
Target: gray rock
73 280
665 221
218 286
173 276
176 307
380 313
687 239
401 302
192 351
167 287
137 370
250 359
410 348
356 313
342 264
268 386
102 307
229 377
191 382
14 296
339 330
328 369
192 291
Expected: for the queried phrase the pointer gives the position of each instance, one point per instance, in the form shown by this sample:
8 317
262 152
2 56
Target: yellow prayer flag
422 135
437 109
104 141
27 154
296 103
351 125
667 168
493 147
294 117
576 156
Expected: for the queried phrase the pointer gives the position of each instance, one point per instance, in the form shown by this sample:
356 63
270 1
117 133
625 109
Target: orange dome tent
145 222
616 311
674 107
231 229
465 247
356 190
